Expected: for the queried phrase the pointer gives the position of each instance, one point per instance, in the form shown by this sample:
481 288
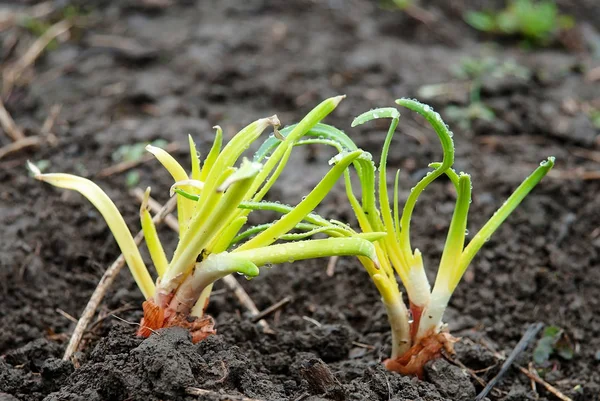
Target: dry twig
12 74
586 154
10 18
127 165
50 120
461 365
45 136
529 335
105 282
547 386
331 266
100 319
229 281
27 142
266 312
575 174
202 392
8 124
66 315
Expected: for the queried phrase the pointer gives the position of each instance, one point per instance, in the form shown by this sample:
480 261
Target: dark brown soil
196 64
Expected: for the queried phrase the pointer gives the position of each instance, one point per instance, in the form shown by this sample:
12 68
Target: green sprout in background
222 196
134 153
473 72
554 341
538 22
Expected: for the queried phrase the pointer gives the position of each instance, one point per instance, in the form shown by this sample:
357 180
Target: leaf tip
37 173
337 99
273 120
144 205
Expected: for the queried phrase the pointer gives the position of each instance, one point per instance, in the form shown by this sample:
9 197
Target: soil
134 71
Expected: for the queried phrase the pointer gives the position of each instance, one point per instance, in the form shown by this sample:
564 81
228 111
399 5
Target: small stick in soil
27 142
105 282
551 389
302 396
45 136
133 323
66 315
586 154
50 120
533 384
202 392
124 308
127 165
246 301
313 321
363 345
331 265
575 174
11 75
266 312
229 281
529 335
461 365
8 124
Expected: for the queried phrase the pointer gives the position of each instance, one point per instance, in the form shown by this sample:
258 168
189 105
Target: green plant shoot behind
537 21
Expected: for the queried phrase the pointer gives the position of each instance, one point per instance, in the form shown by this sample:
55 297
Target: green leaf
132 178
386 112
505 210
320 131
480 21
296 215
553 341
543 350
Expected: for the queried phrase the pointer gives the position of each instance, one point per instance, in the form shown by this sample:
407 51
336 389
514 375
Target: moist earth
191 65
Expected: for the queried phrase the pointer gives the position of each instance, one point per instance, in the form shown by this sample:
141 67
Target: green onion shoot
213 203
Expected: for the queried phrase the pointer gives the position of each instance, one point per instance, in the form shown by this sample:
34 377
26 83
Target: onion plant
418 333
213 204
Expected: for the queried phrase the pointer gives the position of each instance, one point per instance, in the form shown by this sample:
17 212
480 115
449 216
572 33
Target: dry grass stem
12 74
127 165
